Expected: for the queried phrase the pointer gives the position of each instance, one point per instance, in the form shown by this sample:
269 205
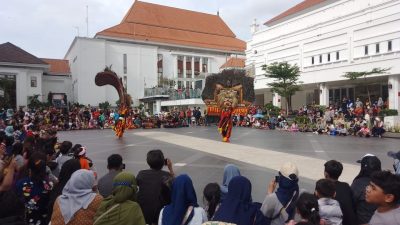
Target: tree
364 74
34 102
286 80
104 105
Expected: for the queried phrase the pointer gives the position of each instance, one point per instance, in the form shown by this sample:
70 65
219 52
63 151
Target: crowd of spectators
43 181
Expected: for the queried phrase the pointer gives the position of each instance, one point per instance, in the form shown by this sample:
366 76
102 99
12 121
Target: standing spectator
63 156
238 207
384 192
17 154
212 195
12 210
344 194
230 171
358 103
69 167
121 207
34 190
279 206
189 115
198 116
78 203
114 166
153 184
329 208
364 210
183 208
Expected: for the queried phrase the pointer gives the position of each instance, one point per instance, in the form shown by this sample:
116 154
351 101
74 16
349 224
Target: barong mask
228 98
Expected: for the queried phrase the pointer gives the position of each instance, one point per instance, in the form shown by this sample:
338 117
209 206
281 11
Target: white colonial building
162 53
327 38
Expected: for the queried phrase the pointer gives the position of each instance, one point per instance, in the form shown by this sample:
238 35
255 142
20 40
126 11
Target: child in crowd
384 192
307 208
329 208
364 131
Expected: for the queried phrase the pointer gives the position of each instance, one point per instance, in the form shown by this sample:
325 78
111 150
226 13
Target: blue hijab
238 208
285 192
230 171
183 196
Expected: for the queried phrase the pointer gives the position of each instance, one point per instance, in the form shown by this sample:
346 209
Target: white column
175 71
394 92
192 75
277 100
184 70
323 94
158 106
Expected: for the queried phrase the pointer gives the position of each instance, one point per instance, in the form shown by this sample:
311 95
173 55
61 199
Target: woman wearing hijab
230 171
68 168
121 207
279 205
78 203
238 207
364 210
183 209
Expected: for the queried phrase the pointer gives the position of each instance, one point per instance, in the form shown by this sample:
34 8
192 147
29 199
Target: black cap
371 162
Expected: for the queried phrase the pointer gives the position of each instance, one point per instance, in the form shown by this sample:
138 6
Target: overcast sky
46 28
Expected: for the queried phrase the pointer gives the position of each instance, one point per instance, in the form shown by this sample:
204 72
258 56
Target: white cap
289 169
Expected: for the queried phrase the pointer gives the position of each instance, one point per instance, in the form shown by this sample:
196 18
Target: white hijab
77 193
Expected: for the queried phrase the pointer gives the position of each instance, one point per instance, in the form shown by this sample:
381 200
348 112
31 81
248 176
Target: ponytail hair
307 206
212 194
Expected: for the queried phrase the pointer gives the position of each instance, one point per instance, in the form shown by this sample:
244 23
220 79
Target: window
329 57
125 64
312 60
33 82
196 66
180 66
204 67
377 48
320 58
160 69
337 55
389 46
188 66
366 50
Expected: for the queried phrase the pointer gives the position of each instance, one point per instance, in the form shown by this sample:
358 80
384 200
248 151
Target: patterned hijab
230 171
77 193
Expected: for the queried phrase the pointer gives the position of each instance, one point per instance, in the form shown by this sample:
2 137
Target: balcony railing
174 94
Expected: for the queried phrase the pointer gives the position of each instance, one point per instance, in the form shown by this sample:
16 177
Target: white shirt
199 217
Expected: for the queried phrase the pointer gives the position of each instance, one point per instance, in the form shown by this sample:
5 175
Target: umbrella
258 116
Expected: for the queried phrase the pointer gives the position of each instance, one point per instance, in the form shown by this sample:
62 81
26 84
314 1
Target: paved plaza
199 152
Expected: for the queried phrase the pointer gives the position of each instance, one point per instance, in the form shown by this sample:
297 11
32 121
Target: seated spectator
114 166
396 163
342 131
34 190
364 210
344 195
212 196
63 156
384 192
364 131
69 167
279 205
154 184
308 209
294 127
78 203
329 208
238 207
17 154
378 129
121 207
230 171
183 208
80 154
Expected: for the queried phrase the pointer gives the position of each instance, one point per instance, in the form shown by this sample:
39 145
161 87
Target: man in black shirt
344 194
154 186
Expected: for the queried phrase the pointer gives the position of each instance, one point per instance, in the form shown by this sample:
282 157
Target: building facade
163 55
326 39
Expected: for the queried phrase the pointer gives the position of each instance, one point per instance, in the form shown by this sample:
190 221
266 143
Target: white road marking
311 168
180 164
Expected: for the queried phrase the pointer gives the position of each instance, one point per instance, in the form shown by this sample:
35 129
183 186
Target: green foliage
76 104
271 109
388 112
104 105
321 107
285 79
356 75
34 102
301 120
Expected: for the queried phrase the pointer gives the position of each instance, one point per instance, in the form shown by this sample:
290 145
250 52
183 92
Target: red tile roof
163 24
58 66
14 54
234 63
297 8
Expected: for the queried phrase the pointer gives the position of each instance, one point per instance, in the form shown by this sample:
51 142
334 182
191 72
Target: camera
276 179
166 161
123 166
